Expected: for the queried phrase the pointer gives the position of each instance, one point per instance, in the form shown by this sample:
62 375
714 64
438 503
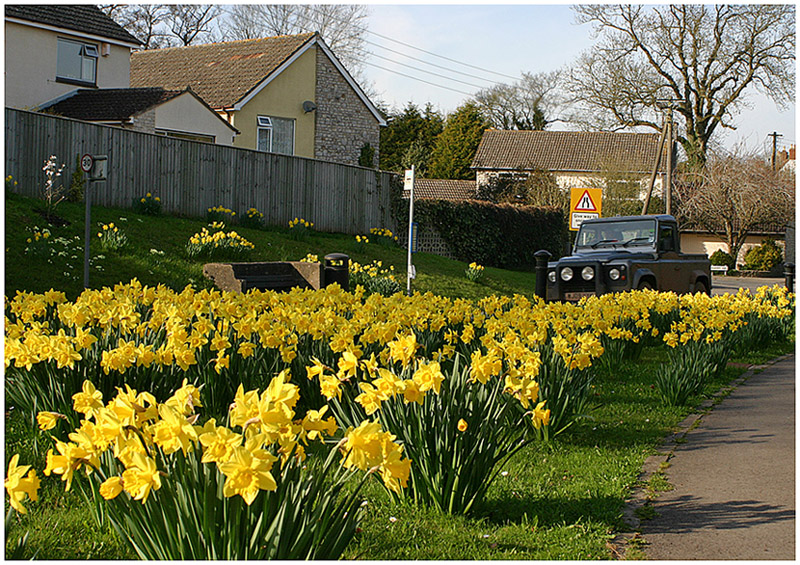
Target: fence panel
191 177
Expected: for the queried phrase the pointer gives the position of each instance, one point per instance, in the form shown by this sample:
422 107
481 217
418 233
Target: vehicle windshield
612 234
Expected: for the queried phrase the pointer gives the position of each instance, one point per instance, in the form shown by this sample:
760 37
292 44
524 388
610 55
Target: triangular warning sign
585 204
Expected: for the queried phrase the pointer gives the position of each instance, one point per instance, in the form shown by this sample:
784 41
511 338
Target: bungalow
576 158
171 113
286 94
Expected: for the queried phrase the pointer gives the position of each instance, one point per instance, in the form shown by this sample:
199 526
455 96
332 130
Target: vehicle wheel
700 286
645 285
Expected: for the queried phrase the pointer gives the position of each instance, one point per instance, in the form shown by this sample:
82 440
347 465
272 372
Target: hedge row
494 235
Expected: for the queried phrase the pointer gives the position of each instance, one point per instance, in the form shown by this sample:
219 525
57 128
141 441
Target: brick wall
343 123
144 122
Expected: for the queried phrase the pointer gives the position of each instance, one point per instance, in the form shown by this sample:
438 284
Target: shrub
720 257
765 257
494 235
148 205
78 183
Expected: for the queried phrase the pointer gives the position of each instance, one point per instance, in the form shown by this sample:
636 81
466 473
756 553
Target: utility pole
774 135
670 152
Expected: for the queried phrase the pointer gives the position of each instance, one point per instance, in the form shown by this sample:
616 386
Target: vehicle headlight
587 273
551 276
613 274
566 274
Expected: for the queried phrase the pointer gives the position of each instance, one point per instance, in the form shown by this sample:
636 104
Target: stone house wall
343 123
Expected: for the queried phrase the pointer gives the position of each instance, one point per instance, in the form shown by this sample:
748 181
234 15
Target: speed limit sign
86 163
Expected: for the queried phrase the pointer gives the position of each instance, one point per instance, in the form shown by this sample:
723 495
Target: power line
415 78
418 69
311 7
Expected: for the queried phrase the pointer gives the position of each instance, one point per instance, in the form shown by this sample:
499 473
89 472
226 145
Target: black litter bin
337 270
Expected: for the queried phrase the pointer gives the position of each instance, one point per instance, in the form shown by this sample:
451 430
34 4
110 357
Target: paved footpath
733 478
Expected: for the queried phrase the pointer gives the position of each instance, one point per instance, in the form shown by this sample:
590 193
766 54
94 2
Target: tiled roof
220 73
567 151
83 18
443 189
110 104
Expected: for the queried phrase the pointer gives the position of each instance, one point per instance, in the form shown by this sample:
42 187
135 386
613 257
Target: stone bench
273 275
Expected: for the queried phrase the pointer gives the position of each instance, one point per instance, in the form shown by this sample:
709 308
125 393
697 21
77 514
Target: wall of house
344 123
283 97
186 114
708 244
30 66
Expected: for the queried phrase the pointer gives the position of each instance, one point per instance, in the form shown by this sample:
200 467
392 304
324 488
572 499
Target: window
77 62
275 135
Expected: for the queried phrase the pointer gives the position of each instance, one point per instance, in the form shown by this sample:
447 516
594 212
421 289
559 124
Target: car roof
660 217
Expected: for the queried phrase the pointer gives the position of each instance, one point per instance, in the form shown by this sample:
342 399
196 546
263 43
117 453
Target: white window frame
265 124
88 51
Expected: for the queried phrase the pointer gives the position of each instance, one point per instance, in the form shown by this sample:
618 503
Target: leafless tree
529 104
190 22
162 25
707 58
734 195
342 26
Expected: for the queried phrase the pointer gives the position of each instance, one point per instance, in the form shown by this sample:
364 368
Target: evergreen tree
456 145
406 129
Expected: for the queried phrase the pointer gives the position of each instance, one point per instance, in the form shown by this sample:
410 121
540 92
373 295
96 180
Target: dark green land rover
626 253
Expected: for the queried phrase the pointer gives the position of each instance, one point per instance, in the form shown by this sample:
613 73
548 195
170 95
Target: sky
506 39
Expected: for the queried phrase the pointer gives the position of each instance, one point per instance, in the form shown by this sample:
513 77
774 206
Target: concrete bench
273 275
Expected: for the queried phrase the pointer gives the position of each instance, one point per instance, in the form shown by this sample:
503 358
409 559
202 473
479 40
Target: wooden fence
191 177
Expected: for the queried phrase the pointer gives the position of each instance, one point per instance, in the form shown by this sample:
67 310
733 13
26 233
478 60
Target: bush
720 257
494 235
765 257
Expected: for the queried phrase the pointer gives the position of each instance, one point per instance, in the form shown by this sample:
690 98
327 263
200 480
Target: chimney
792 152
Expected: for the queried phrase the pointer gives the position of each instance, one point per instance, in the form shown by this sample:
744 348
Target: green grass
170 234
558 501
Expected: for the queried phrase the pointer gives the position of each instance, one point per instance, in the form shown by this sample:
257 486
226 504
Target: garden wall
191 176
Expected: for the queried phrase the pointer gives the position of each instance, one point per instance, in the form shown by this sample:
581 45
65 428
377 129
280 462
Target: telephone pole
774 135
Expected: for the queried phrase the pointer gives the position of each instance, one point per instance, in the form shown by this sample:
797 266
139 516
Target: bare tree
342 26
190 22
734 195
162 25
529 104
708 58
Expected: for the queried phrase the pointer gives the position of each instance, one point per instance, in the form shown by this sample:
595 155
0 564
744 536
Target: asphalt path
733 478
721 284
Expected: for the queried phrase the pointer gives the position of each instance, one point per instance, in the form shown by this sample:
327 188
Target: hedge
494 235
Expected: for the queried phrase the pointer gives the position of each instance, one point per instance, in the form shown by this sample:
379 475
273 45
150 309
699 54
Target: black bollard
789 274
542 257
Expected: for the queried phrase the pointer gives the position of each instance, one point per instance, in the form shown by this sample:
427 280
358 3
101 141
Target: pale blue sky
508 39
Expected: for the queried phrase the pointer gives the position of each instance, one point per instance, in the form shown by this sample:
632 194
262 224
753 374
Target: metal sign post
95 166
408 183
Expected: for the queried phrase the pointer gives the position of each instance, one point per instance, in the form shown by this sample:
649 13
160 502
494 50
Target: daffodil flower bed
252 219
474 272
148 205
174 488
220 214
299 228
416 364
218 244
111 237
384 236
374 278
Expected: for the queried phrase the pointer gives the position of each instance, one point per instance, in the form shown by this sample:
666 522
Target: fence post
542 257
